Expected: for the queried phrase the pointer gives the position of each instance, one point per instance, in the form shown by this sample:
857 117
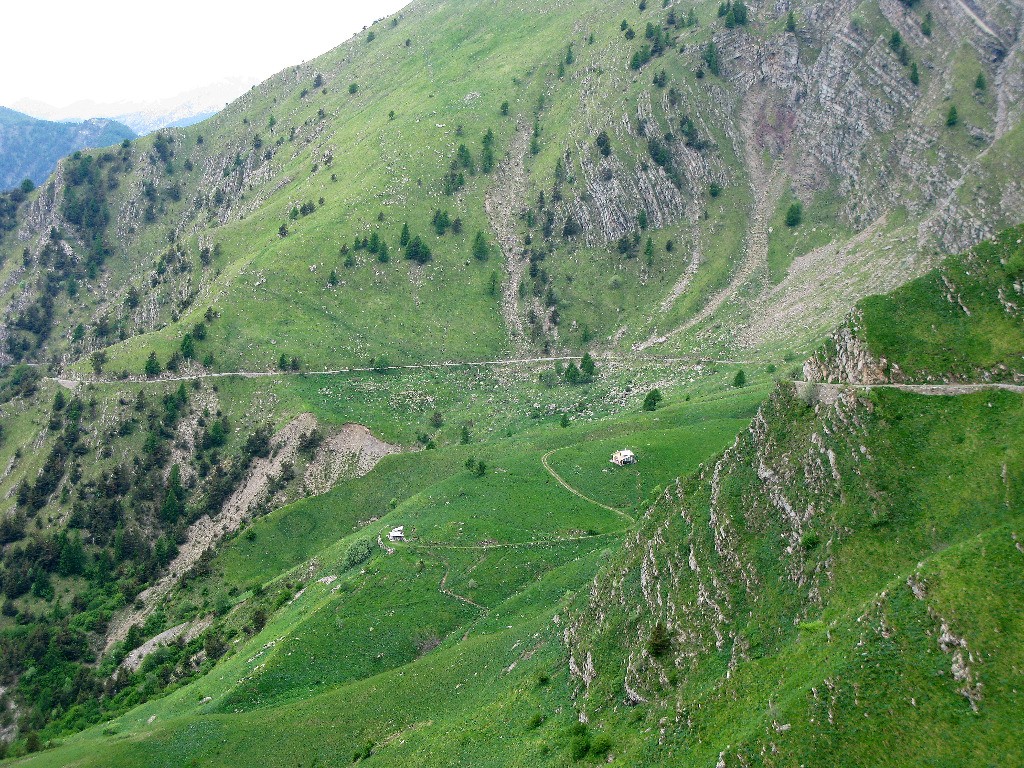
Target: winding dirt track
72 382
574 492
946 390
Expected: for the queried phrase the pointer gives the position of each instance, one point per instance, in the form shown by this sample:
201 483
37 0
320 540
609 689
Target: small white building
397 534
623 457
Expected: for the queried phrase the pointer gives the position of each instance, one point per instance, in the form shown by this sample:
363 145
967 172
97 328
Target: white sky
63 51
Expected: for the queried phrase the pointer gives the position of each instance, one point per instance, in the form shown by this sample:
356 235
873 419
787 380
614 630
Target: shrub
359 552
659 642
579 741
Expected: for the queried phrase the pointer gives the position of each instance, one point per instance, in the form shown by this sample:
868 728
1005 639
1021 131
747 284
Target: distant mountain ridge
30 148
142 116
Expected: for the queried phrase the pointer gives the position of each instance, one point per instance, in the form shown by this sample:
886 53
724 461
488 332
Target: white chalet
397 534
623 457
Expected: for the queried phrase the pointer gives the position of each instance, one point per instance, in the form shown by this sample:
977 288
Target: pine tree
711 57
572 374
487 159
587 367
915 75
72 556
418 251
465 159
174 499
980 83
791 22
152 366
952 117
481 250
740 380
795 214
404 239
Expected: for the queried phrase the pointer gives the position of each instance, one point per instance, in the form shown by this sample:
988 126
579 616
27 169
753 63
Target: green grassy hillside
489 560
847 567
430 279
669 235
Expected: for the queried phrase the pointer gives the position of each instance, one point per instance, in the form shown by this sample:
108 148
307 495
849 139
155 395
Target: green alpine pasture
489 561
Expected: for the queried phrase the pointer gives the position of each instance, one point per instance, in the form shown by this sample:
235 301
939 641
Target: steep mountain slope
828 115
31 148
360 297
843 583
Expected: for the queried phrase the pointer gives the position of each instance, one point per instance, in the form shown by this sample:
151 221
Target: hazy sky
62 51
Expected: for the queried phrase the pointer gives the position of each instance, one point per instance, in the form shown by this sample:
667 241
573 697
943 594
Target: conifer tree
587 366
481 250
487 160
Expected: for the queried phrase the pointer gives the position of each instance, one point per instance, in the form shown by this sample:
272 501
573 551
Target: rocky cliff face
845 359
714 554
802 556
804 549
